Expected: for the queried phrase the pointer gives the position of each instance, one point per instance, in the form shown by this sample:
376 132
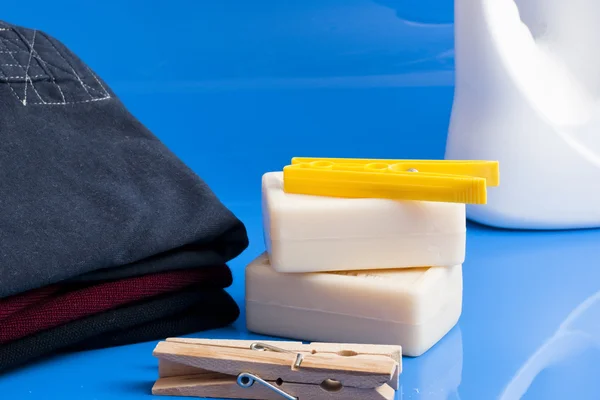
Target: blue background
237 88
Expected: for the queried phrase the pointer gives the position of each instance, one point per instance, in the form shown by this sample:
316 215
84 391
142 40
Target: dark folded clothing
71 302
88 192
181 313
196 319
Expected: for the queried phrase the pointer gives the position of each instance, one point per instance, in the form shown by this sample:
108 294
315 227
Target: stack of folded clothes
106 237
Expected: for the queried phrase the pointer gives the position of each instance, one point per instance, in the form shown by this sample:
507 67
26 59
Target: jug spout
527 94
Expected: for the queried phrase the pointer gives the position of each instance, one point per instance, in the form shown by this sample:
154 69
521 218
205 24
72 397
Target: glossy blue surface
236 88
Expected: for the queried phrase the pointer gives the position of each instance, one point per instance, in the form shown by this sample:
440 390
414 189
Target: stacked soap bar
359 270
315 233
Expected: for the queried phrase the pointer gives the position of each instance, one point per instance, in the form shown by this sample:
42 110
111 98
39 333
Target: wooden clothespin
426 180
273 370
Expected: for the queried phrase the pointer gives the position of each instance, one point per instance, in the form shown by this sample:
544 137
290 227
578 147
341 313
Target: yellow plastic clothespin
242 369
426 180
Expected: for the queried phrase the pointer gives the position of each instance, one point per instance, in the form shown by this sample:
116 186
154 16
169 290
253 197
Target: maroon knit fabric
47 308
17 303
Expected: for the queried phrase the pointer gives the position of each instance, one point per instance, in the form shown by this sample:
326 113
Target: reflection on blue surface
436 374
573 353
423 11
574 378
530 298
237 88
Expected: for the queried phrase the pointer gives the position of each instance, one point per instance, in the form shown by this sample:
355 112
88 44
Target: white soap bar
412 307
312 233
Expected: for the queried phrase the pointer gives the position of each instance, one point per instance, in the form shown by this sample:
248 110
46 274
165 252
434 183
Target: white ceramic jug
527 94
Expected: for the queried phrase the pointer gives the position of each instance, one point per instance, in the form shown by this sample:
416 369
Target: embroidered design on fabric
37 72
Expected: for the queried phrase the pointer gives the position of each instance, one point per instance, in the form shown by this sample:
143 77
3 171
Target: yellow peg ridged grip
425 180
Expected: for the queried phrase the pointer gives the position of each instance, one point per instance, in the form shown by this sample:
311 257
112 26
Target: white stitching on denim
37 56
96 90
27 78
23 77
72 69
26 70
106 95
71 102
8 40
11 88
5 77
33 53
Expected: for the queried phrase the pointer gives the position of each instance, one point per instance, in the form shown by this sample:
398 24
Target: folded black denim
86 191
178 314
